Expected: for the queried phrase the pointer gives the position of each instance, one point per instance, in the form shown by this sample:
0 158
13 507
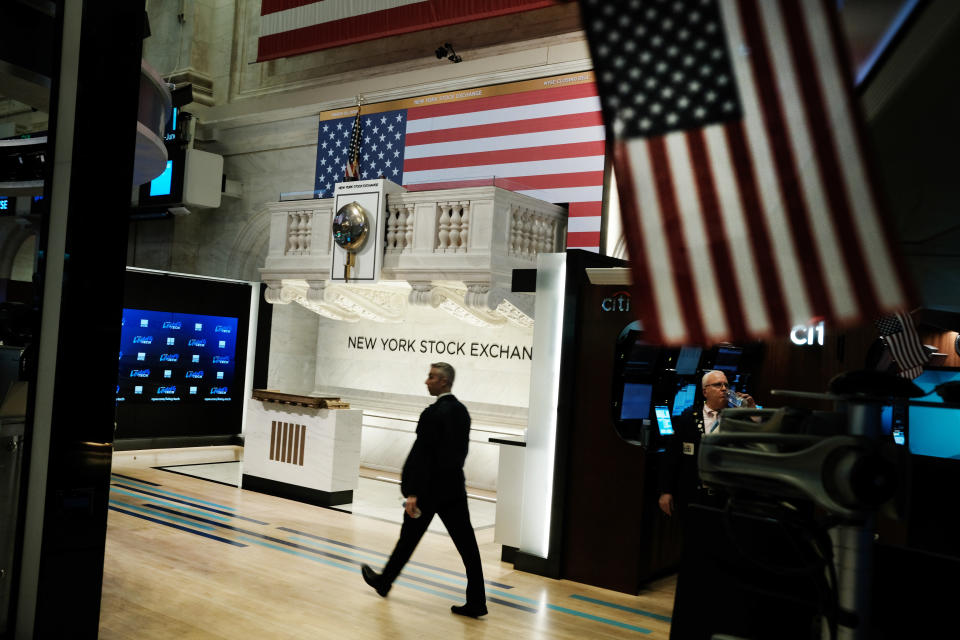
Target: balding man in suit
432 481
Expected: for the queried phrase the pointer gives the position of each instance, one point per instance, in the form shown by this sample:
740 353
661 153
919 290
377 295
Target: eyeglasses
718 384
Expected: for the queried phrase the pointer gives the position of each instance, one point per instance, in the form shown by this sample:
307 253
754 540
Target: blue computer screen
930 378
934 431
169 357
684 398
636 401
161 185
664 424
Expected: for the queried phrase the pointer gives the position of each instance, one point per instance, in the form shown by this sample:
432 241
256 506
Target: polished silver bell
351 225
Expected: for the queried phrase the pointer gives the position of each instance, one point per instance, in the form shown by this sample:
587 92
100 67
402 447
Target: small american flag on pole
900 335
747 203
352 169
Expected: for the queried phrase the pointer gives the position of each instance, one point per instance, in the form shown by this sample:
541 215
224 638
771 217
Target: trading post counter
302 447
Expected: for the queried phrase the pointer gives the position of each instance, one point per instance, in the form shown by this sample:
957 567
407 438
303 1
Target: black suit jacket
433 470
678 468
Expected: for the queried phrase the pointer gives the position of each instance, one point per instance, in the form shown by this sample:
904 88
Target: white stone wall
387 381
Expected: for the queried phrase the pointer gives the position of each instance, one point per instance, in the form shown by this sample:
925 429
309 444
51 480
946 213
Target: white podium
296 448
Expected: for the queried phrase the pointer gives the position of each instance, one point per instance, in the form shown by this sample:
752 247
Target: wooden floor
197 559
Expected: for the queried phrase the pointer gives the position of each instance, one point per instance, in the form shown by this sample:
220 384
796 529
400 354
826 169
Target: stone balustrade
455 248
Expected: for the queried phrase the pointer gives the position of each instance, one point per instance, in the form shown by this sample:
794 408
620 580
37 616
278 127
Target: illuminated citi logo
620 301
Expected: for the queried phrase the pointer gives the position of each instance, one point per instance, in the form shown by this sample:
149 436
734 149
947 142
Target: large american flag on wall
543 138
747 200
293 27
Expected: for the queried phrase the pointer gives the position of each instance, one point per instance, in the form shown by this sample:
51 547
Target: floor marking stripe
655 616
378 557
120 475
115 490
401 582
178 495
192 504
590 616
177 526
386 555
142 509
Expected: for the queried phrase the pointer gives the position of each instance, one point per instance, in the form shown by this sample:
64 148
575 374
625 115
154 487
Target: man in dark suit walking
432 482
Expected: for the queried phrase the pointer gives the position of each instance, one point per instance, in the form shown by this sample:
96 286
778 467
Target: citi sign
807 334
620 301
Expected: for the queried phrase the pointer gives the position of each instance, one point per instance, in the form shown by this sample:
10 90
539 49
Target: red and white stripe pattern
294 27
743 228
545 143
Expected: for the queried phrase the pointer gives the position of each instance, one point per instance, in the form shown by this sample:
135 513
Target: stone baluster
302 232
526 234
515 232
443 233
454 228
464 225
308 232
292 222
536 232
408 227
392 215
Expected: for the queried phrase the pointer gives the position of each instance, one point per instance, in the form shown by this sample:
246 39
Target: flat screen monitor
636 401
168 356
688 360
182 357
664 424
934 431
684 398
728 359
932 377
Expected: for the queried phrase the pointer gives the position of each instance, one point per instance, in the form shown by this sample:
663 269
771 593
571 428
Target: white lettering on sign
807 334
441 347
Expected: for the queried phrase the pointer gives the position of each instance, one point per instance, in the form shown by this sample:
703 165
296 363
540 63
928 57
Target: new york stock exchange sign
494 350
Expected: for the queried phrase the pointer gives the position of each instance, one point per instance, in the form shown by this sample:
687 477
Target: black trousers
456 518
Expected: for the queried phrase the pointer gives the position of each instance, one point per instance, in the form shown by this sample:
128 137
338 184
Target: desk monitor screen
664 424
636 401
684 398
688 360
934 431
728 359
931 378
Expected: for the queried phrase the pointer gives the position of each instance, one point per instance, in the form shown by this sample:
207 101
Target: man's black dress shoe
470 610
375 580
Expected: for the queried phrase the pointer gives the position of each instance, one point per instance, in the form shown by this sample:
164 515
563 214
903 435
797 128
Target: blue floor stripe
402 582
386 555
142 509
115 490
370 557
120 475
180 495
177 526
589 616
620 607
190 503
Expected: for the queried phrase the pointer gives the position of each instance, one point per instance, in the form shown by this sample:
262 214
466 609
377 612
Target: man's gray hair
445 370
703 380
